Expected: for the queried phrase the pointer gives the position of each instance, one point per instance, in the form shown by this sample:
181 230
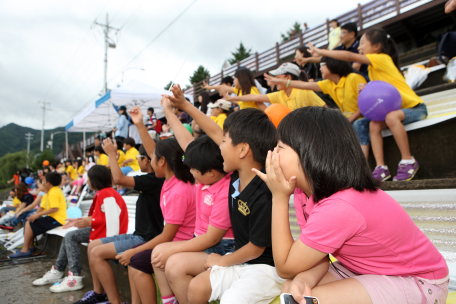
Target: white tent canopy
97 116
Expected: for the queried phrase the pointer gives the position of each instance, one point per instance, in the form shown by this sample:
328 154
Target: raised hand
166 104
271 80
178 99
136 115
313 50
205 85
109 147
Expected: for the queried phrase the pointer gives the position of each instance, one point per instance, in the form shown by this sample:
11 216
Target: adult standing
334 35
350 42
15 178
121 129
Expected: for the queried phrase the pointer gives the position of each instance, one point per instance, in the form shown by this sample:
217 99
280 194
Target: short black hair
169 149
227 79
351 27
143 152
100 177
204 155
338 67
129 141
53 178
151 109
328 149
98 149
119 144
334 20
253 127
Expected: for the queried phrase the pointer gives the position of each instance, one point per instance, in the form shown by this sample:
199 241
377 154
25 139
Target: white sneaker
50 277
69 283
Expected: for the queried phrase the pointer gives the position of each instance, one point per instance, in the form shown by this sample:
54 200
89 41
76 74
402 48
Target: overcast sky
49 51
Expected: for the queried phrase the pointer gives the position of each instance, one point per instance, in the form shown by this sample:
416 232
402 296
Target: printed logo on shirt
208 200
242 207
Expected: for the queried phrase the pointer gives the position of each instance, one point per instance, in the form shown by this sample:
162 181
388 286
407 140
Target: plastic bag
450 74
416 75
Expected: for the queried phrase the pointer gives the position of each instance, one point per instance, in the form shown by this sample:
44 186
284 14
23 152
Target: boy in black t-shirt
148 225
247 275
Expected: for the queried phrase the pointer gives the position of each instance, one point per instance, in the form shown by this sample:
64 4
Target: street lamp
130 69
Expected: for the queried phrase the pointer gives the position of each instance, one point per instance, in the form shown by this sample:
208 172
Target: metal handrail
258 62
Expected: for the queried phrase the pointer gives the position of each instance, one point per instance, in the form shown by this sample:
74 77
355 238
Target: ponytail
174 155
376 36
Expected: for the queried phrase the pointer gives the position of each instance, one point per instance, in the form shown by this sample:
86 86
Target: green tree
240 54
45 155
292 32
11 162
166 87
199 75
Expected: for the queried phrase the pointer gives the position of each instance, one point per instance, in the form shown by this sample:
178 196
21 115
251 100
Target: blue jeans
223 247
22 217
361 126
123 242
69 250
6 209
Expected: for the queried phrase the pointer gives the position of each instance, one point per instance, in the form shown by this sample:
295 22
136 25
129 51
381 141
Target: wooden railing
364 15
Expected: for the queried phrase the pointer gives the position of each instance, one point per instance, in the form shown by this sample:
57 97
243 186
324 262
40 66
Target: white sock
407 161
383 167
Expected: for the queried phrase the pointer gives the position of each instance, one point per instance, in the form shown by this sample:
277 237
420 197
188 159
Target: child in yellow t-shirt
339 82
378 50
131 162
293 97
244 84
14 206
51 214
70 171
220 111
102 158
120 153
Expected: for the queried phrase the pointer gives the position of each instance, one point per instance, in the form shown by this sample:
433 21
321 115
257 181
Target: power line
74 54
153 40
123 4
132 15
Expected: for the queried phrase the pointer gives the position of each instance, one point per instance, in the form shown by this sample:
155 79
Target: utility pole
109 43
28 138
42 129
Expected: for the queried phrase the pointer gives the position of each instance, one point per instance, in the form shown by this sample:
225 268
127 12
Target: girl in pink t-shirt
383 257
213 231
177 202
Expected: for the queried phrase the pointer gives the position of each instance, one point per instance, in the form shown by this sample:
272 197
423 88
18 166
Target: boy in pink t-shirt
213 231
383 257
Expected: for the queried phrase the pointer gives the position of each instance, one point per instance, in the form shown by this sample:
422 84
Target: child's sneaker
51 277
69 283
406 172
381 174
92 298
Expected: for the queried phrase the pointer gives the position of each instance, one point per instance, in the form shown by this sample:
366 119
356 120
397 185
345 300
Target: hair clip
183 158
388 36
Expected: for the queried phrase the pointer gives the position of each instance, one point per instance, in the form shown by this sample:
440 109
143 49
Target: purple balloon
377 99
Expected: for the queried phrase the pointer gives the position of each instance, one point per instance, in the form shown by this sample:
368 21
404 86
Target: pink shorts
389 289
79 182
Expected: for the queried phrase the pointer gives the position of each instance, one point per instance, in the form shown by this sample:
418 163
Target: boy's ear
244 150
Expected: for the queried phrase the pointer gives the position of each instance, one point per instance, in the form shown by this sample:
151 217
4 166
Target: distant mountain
12 139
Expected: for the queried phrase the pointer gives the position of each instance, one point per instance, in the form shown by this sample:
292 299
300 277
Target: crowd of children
212 215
